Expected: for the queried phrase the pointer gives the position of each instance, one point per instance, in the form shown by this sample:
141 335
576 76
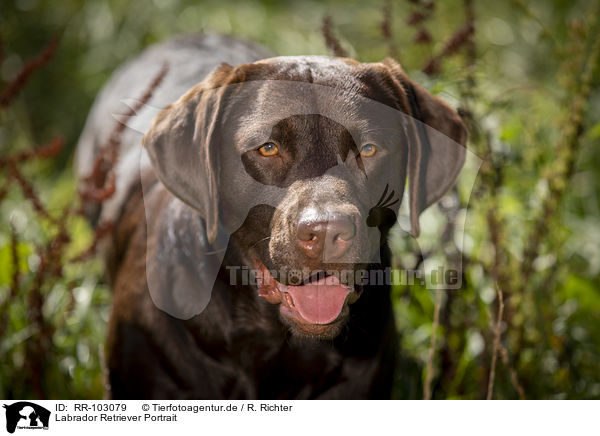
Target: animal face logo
26 415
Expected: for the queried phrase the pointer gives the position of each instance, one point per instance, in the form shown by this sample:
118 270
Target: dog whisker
266 239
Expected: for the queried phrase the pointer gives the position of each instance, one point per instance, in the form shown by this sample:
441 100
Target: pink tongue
319 302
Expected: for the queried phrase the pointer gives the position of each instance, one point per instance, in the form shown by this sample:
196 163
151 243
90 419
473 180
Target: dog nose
328 237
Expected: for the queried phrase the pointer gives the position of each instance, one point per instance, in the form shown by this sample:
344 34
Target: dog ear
183 147
436 145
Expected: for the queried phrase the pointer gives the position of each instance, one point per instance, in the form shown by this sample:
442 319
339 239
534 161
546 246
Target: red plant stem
13 88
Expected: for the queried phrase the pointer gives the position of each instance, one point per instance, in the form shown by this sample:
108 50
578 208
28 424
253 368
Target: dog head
304 161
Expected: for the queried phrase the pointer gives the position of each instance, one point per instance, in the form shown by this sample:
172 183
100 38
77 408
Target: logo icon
26 415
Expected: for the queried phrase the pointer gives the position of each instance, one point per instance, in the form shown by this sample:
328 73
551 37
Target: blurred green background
533 221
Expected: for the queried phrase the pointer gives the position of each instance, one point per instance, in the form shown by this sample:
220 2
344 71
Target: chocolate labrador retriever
249 228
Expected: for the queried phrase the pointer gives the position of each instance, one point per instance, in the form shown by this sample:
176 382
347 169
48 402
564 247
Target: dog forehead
318 68
370 80
257 106
349 92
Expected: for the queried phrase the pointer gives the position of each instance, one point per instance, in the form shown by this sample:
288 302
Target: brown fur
240 346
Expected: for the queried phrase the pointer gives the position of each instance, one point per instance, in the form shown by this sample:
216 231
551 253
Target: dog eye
368 150
268 149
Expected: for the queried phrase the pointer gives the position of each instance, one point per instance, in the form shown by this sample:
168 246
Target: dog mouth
319 301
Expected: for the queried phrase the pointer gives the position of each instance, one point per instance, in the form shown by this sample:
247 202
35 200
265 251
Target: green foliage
528 89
